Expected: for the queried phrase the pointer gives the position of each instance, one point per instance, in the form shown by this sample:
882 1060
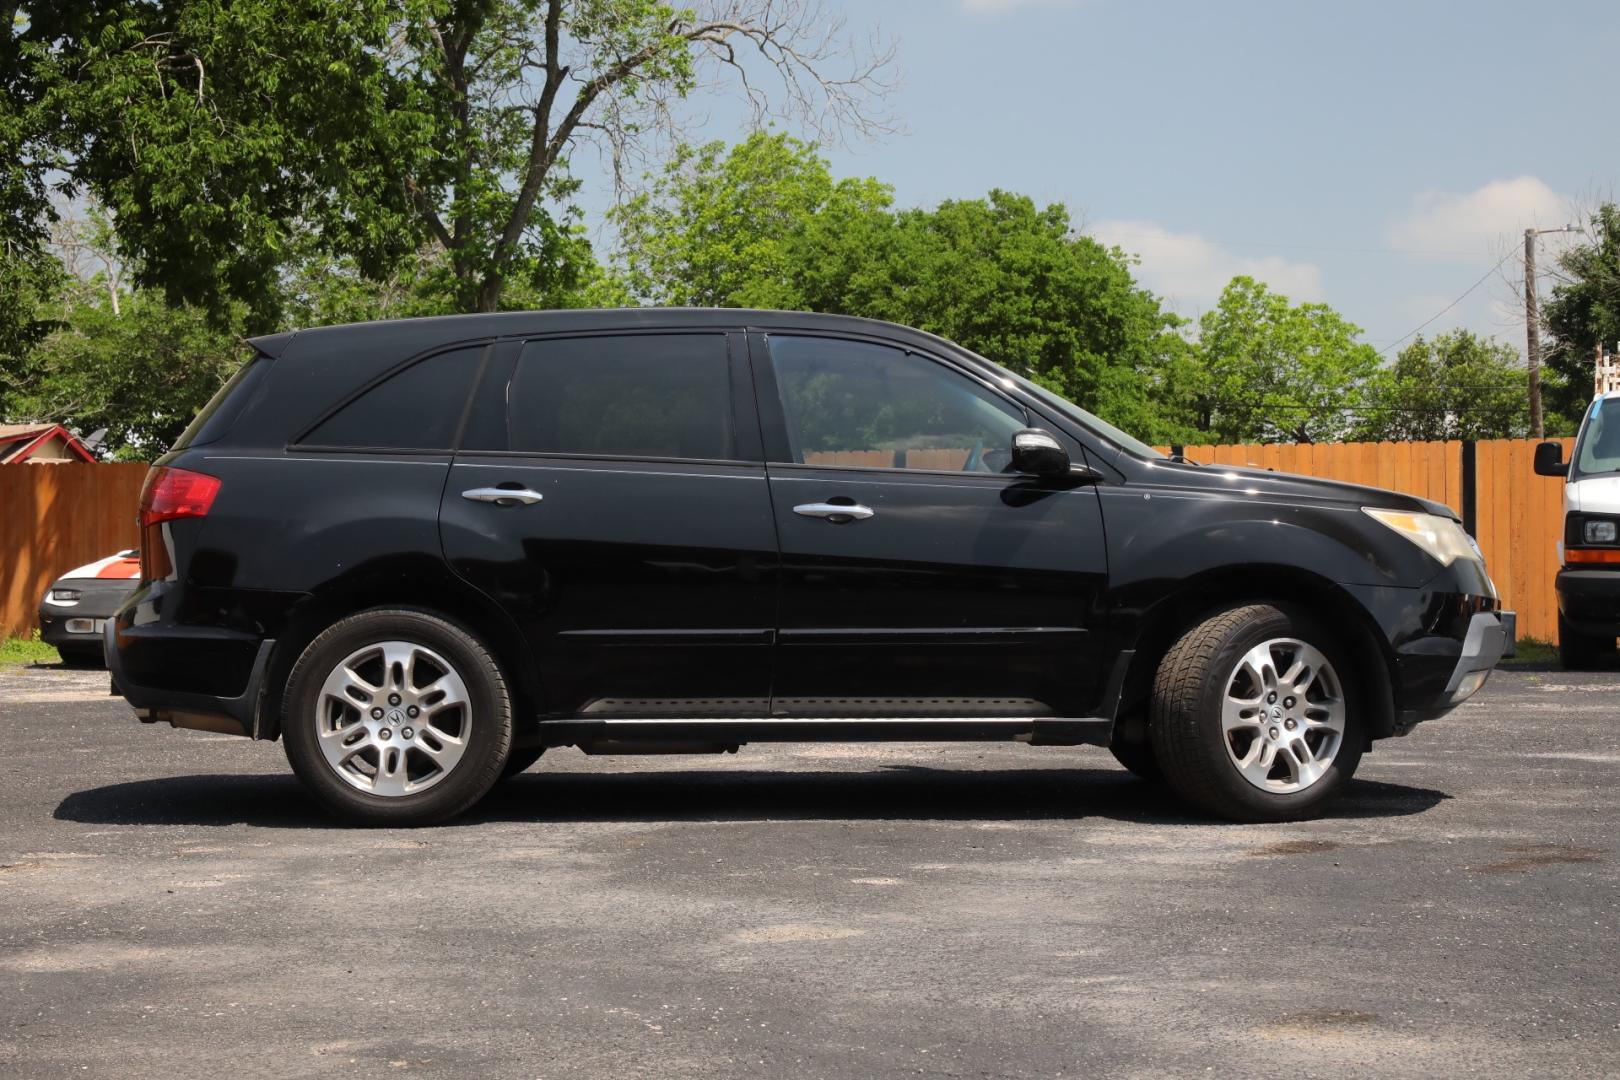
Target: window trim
773 414
743 414
297 444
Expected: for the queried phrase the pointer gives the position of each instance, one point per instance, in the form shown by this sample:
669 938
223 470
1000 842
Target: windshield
1130 443
1598 450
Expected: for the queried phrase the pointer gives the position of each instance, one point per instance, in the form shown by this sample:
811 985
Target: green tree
142 373
766 224
1458 386
1583 313
218 132
1267 370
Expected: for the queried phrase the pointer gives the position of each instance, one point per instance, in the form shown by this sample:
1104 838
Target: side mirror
1038 453
1550 459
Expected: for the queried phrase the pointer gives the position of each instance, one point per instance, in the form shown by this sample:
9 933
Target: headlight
64 596
1439 536
1600 532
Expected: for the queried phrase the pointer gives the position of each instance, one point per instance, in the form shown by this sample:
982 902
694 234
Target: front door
636 549
918 578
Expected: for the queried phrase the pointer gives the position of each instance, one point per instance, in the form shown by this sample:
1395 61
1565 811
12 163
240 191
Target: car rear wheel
1251 718
1581 652
397 717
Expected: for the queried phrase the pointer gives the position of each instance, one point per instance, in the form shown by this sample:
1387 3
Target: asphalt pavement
172 905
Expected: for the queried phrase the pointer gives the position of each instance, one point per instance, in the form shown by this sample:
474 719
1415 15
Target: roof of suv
441 329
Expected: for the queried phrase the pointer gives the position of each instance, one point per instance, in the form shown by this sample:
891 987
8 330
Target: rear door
918 578
636 549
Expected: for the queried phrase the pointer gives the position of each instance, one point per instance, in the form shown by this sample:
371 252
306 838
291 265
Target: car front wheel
1251 717
397 717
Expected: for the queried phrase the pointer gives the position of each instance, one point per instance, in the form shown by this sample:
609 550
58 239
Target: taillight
176 493
168 495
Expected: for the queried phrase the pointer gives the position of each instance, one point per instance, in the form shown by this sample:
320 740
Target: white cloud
1189 271
996 7
1479 221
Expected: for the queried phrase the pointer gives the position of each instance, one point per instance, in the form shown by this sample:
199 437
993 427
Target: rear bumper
235 714
1589 600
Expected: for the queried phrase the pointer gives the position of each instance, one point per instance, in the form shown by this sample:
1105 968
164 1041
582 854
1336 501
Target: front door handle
503 496
837 513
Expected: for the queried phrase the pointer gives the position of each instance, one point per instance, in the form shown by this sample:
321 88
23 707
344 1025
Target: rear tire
1250 718
1581 652
397 717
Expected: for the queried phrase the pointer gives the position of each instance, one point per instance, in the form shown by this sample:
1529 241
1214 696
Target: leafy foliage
1582 313
766 225
227 135
1265 369
141 374
1458 386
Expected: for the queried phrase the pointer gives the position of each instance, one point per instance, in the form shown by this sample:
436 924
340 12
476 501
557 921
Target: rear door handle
503 496
838 514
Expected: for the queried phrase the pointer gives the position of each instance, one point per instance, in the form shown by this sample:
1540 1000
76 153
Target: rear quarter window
215 420
417 408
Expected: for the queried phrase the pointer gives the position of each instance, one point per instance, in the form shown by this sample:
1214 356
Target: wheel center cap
396 717
1276 713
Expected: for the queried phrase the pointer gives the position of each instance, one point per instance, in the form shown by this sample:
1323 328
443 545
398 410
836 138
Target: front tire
1251 719
397 717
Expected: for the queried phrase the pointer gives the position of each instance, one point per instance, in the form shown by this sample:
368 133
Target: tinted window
417 409
226 405
853 403
635 395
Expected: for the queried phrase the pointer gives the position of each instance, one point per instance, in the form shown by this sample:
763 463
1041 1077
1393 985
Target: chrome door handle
503 496
834 512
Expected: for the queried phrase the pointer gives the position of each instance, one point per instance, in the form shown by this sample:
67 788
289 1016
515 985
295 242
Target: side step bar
1041 731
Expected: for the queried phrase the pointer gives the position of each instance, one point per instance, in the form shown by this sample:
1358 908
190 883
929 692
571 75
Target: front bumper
77 625
1486 641
1589 600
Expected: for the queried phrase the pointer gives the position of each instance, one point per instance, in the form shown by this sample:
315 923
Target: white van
1589 579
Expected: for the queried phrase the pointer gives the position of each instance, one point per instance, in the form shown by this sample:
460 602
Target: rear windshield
226 405
1598 451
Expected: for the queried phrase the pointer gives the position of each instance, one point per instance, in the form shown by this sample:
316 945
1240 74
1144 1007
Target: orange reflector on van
1572 556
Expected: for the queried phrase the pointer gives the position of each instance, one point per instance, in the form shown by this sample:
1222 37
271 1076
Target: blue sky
1377 156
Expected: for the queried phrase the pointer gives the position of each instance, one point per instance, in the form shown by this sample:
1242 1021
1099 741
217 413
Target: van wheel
1581 652
397 717
1251 719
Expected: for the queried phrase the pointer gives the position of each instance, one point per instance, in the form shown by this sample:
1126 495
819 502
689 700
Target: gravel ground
171 904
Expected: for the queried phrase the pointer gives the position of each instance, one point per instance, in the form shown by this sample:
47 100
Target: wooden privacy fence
56 517
1517 516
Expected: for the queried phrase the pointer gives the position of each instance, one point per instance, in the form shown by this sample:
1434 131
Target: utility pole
1532 333
1532 325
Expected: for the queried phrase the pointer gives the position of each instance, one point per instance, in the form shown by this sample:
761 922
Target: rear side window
630 395
415 409
226 405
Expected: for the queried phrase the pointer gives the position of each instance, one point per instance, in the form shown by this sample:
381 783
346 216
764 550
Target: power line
1482 279
1107 234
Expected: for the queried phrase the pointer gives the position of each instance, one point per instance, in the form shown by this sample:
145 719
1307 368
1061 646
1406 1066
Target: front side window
856 403
629 395
418 408
1599 451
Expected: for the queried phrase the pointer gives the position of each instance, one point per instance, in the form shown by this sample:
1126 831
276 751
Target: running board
1040 731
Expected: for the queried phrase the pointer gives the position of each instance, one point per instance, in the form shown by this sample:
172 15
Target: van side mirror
1038 453
1550 459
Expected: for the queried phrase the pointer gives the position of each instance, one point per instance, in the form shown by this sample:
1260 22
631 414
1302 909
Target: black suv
423 552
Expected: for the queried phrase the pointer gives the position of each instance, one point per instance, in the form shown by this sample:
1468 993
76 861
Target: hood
125 564
1265 483
1595 495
